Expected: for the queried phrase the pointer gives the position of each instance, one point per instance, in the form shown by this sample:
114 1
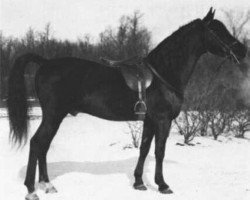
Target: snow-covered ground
87 160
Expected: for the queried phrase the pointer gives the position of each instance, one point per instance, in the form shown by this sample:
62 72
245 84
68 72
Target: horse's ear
209 17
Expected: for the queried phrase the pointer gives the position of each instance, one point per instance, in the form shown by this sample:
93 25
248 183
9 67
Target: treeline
214 100
129 39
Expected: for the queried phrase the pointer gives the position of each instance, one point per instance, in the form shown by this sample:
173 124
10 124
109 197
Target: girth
137 76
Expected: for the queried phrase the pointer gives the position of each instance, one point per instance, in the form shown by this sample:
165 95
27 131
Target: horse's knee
159 153
144 149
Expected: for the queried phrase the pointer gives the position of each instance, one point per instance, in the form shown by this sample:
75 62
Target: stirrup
140 107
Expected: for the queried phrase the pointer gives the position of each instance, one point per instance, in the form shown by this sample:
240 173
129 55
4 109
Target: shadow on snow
125 166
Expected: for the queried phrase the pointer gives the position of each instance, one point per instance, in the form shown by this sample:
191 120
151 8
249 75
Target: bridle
226 48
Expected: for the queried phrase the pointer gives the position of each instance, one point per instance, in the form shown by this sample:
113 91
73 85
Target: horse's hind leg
39 145
52 125
144 149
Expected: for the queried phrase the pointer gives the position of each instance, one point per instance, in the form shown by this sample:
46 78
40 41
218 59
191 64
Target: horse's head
219 41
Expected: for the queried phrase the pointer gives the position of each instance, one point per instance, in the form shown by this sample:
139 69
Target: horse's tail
17 103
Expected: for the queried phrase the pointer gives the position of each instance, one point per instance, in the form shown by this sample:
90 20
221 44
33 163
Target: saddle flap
134 73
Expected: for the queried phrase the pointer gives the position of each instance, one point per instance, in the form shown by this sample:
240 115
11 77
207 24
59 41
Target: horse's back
69 71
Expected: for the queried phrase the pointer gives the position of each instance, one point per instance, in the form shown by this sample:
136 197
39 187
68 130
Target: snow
87 160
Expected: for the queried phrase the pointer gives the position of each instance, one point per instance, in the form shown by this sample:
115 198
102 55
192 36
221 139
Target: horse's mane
166 56
174 39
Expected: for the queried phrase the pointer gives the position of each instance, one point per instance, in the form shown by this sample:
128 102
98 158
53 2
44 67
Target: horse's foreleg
147 137
160 143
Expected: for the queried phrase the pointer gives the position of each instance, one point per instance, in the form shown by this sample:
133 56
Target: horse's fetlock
137 174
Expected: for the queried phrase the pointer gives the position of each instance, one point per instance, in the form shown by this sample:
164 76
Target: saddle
137 76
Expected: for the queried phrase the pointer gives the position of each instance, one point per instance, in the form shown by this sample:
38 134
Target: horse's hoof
166 190
47 187
140 187
51 190
31 196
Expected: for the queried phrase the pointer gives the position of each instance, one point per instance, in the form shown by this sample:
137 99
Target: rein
167 84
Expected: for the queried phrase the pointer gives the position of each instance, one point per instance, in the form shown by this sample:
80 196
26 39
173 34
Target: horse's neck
177 65
188 66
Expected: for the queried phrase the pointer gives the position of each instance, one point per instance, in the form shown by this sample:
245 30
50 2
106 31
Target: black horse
71 85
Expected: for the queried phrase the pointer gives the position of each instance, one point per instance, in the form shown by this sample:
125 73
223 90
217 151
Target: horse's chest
165 103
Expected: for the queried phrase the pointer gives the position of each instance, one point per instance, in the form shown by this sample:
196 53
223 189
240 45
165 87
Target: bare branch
237 22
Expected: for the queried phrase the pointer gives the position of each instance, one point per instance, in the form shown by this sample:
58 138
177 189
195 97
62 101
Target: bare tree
238 21
131 38
241 123
219 122
29 40
139 37
188 124
135 129
45 39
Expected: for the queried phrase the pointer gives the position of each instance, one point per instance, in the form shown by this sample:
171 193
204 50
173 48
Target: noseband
226 48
